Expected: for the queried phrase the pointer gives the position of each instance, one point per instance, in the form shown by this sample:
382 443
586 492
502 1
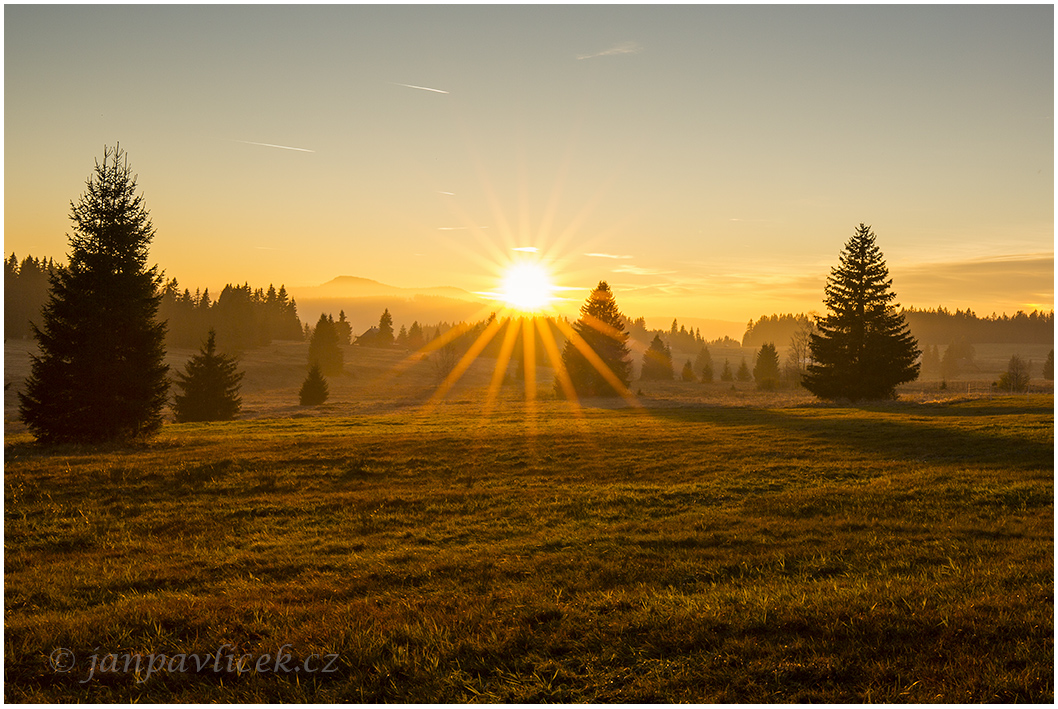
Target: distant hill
357 287
364 299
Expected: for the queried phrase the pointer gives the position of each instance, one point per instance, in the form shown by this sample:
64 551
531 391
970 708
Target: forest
246 317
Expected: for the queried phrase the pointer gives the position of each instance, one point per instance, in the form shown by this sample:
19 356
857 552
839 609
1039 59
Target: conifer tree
323 347
210 386
726 375
385 329
863 349
416 340
101 373
314 389
343 329
766 369
657 361
743 374
688 372
703 364
601 328
1048 367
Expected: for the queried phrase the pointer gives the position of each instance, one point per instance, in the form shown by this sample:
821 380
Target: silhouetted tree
314 388
101 373
766 369
863 349
657 361
25 293
210 385
799 354
1016 378
601 329
323 347
958 357
930 362
688 373
725 374
1048 367
743 374
416 340
703 364
385 329
343 329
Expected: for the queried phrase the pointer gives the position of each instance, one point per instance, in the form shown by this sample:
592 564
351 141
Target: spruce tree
688 372
323 347
766 369
725 374
210 386
863 349
743 374
1048 366
385 329
314 388
657 362
703 363
101 375
601 327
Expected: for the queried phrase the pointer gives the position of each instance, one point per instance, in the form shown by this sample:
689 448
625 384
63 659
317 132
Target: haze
709 162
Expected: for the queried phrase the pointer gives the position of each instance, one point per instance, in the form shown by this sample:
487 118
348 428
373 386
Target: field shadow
911 432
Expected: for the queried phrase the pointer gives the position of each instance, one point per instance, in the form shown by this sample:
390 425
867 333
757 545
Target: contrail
422 88
270 145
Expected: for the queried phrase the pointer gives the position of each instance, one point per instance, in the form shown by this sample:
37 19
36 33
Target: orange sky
708 161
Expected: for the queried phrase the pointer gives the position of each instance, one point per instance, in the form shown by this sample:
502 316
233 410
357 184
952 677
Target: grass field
764 550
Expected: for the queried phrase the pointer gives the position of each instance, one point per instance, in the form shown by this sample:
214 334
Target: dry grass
684 552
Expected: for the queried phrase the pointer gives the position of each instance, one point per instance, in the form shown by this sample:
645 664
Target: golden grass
805 552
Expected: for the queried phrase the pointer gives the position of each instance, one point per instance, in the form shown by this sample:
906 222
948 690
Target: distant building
369 338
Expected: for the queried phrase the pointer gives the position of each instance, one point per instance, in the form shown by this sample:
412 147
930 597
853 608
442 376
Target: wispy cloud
271 145
623 48
639 271
597 255
421 88
527 249
447 193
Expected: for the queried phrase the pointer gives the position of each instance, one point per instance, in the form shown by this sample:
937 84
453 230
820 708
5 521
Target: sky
706 161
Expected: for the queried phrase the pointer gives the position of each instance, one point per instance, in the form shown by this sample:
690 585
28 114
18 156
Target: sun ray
595 361
551 347
510 338
529 358
465 361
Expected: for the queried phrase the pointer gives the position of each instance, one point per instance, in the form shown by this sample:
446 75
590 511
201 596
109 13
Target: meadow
726 546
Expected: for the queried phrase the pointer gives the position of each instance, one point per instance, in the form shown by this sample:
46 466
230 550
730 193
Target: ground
716 545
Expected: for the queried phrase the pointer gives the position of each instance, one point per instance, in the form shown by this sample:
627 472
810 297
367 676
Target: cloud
270 145
638 271
595 255
421 88
527 249
623 48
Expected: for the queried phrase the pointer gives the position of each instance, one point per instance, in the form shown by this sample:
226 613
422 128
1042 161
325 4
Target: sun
527 287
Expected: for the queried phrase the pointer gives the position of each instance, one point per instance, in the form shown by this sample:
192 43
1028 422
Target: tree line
25 291
241 317
937 326
100 374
